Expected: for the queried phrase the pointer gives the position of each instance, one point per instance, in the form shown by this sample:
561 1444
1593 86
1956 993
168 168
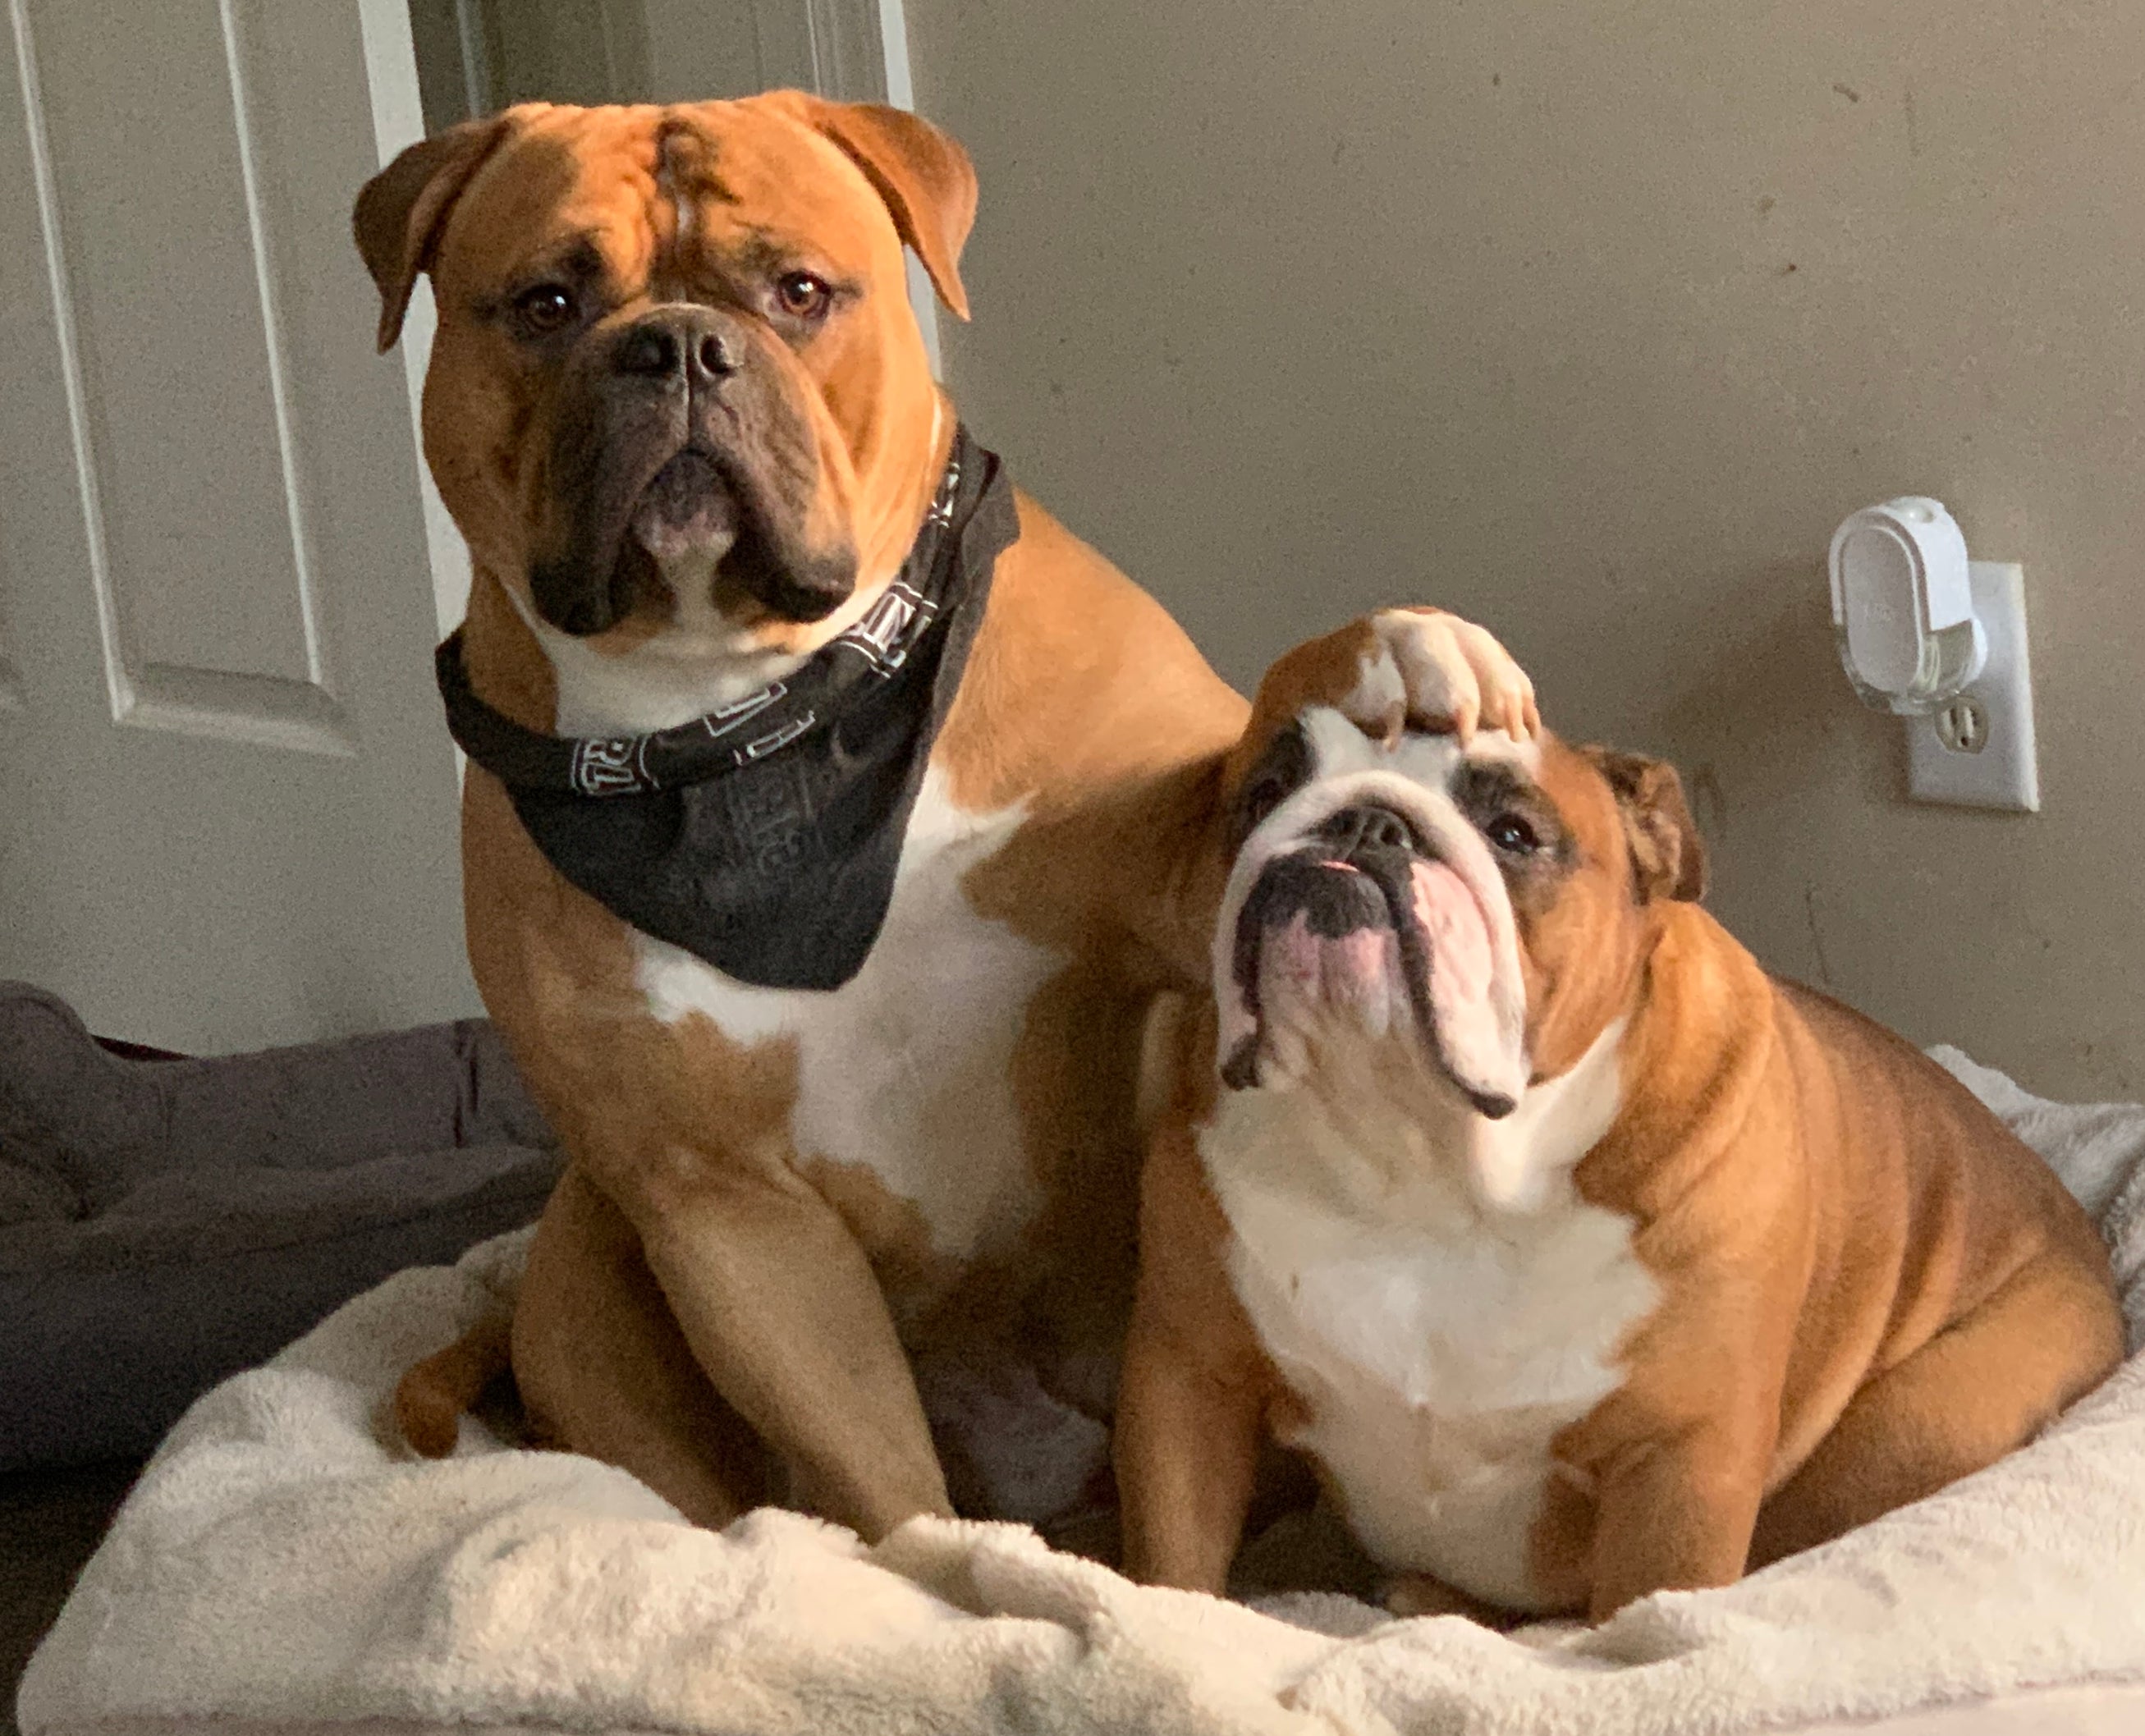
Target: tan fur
707 1304
1868 1286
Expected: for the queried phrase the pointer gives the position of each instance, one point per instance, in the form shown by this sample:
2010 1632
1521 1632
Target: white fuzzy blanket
277 1562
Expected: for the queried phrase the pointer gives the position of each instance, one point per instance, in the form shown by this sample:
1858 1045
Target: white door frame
398 122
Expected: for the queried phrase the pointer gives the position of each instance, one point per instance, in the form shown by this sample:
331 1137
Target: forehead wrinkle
698 265
746 251
685 153
568 171
759 249
611 201
1499 779
617 229
577 256
793 172
685 167
608 247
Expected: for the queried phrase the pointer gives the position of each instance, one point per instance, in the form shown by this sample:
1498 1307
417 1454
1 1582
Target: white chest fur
906 1069
1439 1336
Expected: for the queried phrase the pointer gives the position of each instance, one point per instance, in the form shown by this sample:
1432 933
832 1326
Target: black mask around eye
1281 770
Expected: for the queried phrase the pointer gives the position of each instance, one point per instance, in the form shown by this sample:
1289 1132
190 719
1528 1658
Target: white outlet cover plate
2005 774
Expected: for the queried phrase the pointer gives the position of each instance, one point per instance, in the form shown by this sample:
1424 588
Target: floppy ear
1668 857
402 210
925 179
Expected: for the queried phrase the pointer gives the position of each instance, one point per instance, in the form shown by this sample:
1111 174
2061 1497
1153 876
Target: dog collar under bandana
764 838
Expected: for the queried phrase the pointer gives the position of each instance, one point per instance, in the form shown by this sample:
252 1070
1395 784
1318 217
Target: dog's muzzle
1362 919
680 457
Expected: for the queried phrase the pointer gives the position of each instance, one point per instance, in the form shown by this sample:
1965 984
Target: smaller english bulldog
1582 1258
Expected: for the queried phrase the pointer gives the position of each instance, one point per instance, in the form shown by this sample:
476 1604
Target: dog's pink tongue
1461 971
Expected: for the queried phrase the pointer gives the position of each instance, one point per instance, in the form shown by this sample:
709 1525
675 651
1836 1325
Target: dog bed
278 1569
165 1223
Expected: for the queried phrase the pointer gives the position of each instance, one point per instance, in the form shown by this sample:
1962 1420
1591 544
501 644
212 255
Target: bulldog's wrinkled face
1481 906
677 388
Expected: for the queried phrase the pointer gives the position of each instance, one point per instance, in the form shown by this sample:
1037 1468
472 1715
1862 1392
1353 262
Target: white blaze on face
1311 948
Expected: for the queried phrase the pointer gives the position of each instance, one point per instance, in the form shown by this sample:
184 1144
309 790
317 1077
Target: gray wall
1591 321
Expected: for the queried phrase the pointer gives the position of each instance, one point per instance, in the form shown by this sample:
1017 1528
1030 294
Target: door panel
229 800
198 548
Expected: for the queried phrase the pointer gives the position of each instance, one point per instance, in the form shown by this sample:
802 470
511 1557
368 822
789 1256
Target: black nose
689 345
1368 827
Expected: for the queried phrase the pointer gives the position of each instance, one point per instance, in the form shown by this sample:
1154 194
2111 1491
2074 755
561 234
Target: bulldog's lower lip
1386 872
687 511
1335 897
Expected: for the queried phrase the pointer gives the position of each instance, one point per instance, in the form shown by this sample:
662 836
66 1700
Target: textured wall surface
1593 321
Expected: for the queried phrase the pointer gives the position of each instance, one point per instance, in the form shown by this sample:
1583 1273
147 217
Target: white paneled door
226 796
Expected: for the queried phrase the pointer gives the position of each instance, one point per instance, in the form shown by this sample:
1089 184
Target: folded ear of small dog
1668 857
403 210
925 179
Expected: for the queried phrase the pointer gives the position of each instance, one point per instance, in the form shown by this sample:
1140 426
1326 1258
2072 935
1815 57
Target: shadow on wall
1762 716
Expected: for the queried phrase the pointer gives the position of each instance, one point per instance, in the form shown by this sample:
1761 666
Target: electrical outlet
1977 750
1963 725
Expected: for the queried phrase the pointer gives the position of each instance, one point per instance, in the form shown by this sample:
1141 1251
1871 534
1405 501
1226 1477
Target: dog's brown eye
547 308
802 296
1510 834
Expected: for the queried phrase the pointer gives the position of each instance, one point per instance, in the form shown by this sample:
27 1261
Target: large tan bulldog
681 411
1582 1258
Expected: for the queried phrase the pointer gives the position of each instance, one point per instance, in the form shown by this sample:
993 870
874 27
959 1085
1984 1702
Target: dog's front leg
782 1311
1191 1401
1675 1508
1186 1451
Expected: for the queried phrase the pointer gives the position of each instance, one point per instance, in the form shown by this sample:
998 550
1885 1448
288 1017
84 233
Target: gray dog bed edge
166 1223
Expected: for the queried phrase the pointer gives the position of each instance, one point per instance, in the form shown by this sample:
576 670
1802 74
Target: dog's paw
1424 669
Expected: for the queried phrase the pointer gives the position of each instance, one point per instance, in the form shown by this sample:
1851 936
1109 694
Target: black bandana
764 837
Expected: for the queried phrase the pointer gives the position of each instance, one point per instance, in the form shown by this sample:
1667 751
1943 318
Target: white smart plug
1902 605
1940 639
